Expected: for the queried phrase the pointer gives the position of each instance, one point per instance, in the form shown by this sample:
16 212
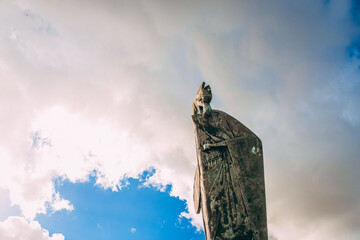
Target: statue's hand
207 146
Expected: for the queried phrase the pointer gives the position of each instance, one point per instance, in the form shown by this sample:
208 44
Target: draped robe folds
229 184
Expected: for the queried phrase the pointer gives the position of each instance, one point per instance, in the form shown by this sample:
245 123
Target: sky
95 101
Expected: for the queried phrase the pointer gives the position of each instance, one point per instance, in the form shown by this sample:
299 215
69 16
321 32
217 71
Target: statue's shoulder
221 114
216 116
211 115
235 126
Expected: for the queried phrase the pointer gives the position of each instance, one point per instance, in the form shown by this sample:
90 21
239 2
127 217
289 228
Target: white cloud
111 91
21 229
60 204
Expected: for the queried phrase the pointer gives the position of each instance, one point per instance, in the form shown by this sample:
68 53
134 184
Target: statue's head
202 100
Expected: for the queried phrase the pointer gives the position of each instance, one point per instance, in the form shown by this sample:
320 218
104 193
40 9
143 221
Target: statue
229 185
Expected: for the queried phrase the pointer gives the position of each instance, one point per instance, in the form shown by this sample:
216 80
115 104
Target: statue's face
206 95
202 99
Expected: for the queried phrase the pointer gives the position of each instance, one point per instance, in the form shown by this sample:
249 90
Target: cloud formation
19 228
109 91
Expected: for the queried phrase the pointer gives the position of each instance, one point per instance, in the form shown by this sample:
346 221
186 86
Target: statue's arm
208 146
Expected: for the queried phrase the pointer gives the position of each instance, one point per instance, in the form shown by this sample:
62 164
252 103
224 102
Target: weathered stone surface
229 184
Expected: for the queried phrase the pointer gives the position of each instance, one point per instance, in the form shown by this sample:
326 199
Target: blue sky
94 95
135 212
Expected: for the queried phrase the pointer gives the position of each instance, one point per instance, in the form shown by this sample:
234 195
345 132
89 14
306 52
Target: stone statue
229 183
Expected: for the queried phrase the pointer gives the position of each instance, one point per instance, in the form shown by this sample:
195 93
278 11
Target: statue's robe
229 183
